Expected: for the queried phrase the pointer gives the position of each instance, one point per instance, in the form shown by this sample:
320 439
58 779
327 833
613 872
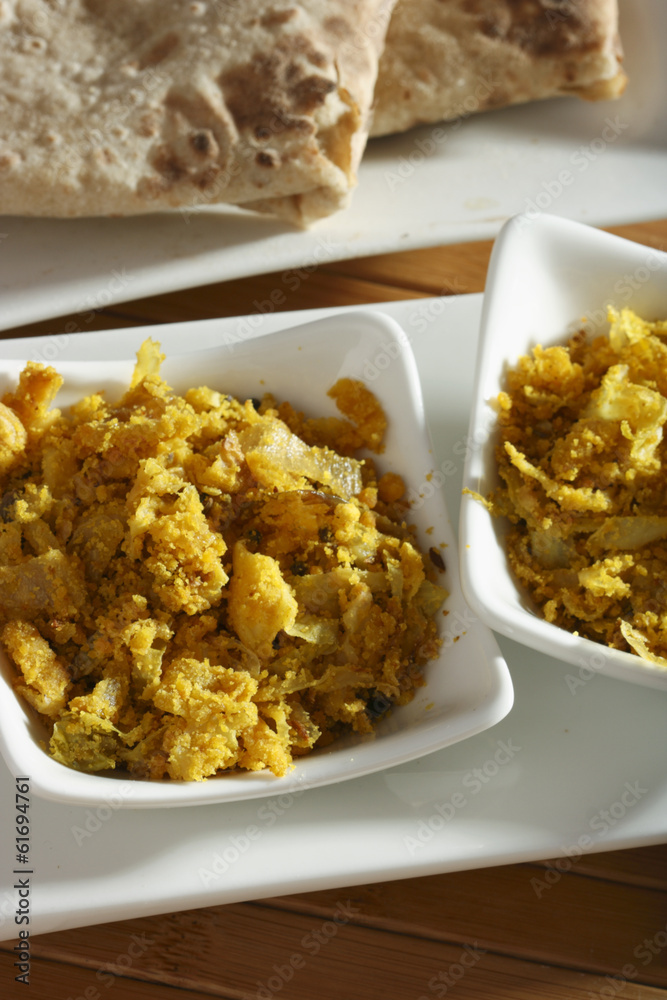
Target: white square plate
104 863
545 277
468 688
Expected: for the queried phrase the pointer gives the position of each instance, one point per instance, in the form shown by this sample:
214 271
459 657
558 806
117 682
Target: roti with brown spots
143 105
447 59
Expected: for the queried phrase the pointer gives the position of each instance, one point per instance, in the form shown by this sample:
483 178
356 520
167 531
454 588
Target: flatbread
119 107
447 59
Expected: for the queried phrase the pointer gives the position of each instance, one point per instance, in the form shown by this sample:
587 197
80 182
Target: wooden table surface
481 934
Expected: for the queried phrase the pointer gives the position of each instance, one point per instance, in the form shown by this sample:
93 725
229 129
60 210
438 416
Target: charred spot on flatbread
163 104
276 90
448 60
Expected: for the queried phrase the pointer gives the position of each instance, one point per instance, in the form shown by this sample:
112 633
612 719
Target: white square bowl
468 687
547 278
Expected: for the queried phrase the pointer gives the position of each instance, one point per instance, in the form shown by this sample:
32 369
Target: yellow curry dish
582 460
194 584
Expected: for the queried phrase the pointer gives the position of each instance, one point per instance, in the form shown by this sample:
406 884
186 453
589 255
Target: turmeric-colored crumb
359 404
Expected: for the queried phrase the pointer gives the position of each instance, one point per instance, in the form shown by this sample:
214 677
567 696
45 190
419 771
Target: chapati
132 106
447 59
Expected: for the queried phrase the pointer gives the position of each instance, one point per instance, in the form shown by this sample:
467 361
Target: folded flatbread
446 59
116 107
